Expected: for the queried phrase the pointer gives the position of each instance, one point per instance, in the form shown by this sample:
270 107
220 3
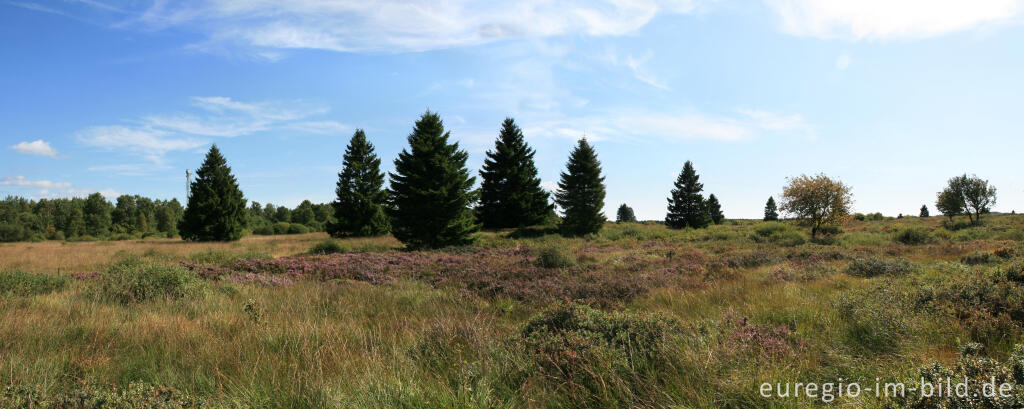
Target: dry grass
72 257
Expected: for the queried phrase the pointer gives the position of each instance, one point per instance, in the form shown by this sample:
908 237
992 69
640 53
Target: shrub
598 359
281 228
20 283
914 236
555 257
978 257
778 234
873 267
135 396
327 247
977 371
133 280
1005 252
264 230
296 228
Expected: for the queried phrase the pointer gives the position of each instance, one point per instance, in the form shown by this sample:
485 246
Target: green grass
723 310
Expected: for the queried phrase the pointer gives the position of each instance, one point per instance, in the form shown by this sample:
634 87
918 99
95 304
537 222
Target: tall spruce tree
359 206
216 207
771 211
924 211
714 210
581 192
625 214
686 207
510 192
431 189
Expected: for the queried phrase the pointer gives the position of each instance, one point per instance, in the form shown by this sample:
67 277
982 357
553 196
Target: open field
690 318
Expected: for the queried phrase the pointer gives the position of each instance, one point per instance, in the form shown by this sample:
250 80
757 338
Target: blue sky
892 97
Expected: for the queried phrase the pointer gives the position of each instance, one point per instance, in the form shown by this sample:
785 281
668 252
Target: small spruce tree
359 206
924 211
625 214
510 191
771 211
581 192
714 210
686 207
431 189
216 207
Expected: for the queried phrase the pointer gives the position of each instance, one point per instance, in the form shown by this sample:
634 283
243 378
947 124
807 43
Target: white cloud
888 19
843 61
37 147
50 189
153 136
638 125
398 25
636 65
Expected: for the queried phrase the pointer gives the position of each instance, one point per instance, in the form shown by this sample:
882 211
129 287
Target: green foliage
625 214
968 195
327 247
976 370
914 236
135 396
924 211
777 233
978 257
360 195
686 206
510 191
714 209
295 228
874 267
581 192
430 191
216 207
595 359
771 211
20 283
134 280
555 256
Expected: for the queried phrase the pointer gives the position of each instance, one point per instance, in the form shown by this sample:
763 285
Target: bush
136 396
296 228
977 371
133 280
597 359
978 257
20 283
914 236
264 230
281 228
555 257
327 247
778 234
874 267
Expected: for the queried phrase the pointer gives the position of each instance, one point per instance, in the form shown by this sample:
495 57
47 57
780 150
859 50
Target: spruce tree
771 212
431 189
714 210
686 207
216 207
359 206
581 192
625 214
924 211
510 192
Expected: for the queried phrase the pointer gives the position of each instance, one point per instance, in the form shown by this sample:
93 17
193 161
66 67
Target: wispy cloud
639 72
397 25
50 189
153 136
843 61
632 126
888 19
37 147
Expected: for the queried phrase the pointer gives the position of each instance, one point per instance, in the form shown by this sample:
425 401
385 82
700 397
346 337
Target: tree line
430 201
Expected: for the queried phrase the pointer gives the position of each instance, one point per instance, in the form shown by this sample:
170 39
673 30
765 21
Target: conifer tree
216 207
924 211
625 214
581 192
430 190
686 207
714 210
510 192
771 211
359 206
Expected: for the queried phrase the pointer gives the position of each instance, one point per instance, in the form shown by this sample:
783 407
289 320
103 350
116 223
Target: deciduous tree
816 201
